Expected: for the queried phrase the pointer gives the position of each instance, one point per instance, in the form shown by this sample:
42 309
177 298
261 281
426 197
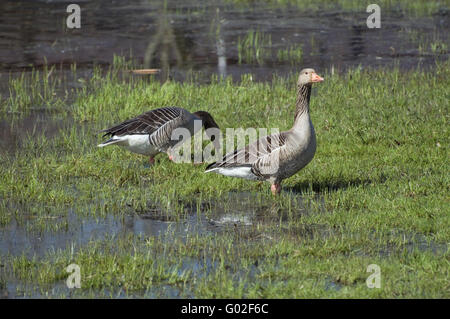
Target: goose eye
306 72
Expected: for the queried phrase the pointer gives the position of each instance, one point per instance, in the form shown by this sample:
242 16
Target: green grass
255 47
433 44
409 7
438 47
375 193
35 91
292 54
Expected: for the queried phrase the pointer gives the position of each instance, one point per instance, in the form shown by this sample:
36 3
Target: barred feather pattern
158 124
303 97
262 156
278 156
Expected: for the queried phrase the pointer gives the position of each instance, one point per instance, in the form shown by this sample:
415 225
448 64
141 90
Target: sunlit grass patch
36 90
375 193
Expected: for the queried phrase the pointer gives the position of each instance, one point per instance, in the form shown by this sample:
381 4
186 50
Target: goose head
308 77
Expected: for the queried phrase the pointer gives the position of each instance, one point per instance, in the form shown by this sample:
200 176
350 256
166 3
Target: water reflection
240 212
176 36
220 45
356 43
14 132
164 43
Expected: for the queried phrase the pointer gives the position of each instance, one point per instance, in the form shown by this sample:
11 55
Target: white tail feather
240 171
108 142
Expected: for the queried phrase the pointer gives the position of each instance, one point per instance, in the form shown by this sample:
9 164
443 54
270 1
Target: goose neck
302 104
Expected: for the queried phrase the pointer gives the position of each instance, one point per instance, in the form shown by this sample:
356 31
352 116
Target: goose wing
262 156
158 124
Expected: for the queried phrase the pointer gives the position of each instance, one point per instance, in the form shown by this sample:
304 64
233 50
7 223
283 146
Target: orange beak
316 78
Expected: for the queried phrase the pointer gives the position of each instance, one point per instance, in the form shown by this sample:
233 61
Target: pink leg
171 157
275 188
151 160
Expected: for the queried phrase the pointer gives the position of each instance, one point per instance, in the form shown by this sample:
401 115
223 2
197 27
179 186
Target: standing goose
277 156
150 133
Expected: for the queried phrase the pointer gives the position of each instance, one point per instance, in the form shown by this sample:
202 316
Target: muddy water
203 36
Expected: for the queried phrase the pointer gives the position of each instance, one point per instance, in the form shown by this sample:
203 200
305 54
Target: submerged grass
410 7
254 47
380 171
37 90
434 45
292 54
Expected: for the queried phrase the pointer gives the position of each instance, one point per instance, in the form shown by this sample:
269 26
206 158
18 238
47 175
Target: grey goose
277 156
150 133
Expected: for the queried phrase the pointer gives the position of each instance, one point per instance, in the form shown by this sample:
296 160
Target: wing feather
158 124
263 155
146 123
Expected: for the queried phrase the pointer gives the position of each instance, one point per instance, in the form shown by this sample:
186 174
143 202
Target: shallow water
237 211
203 36
15 130
206 36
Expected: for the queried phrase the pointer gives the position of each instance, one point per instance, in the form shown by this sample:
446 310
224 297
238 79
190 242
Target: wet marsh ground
375 193
214 37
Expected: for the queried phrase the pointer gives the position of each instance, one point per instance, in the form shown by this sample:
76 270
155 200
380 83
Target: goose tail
211 167
112 140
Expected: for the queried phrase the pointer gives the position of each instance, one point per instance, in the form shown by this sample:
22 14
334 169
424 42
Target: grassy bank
375 193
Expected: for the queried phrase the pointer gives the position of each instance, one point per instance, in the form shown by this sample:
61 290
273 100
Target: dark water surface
237 211
15 130
203 36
